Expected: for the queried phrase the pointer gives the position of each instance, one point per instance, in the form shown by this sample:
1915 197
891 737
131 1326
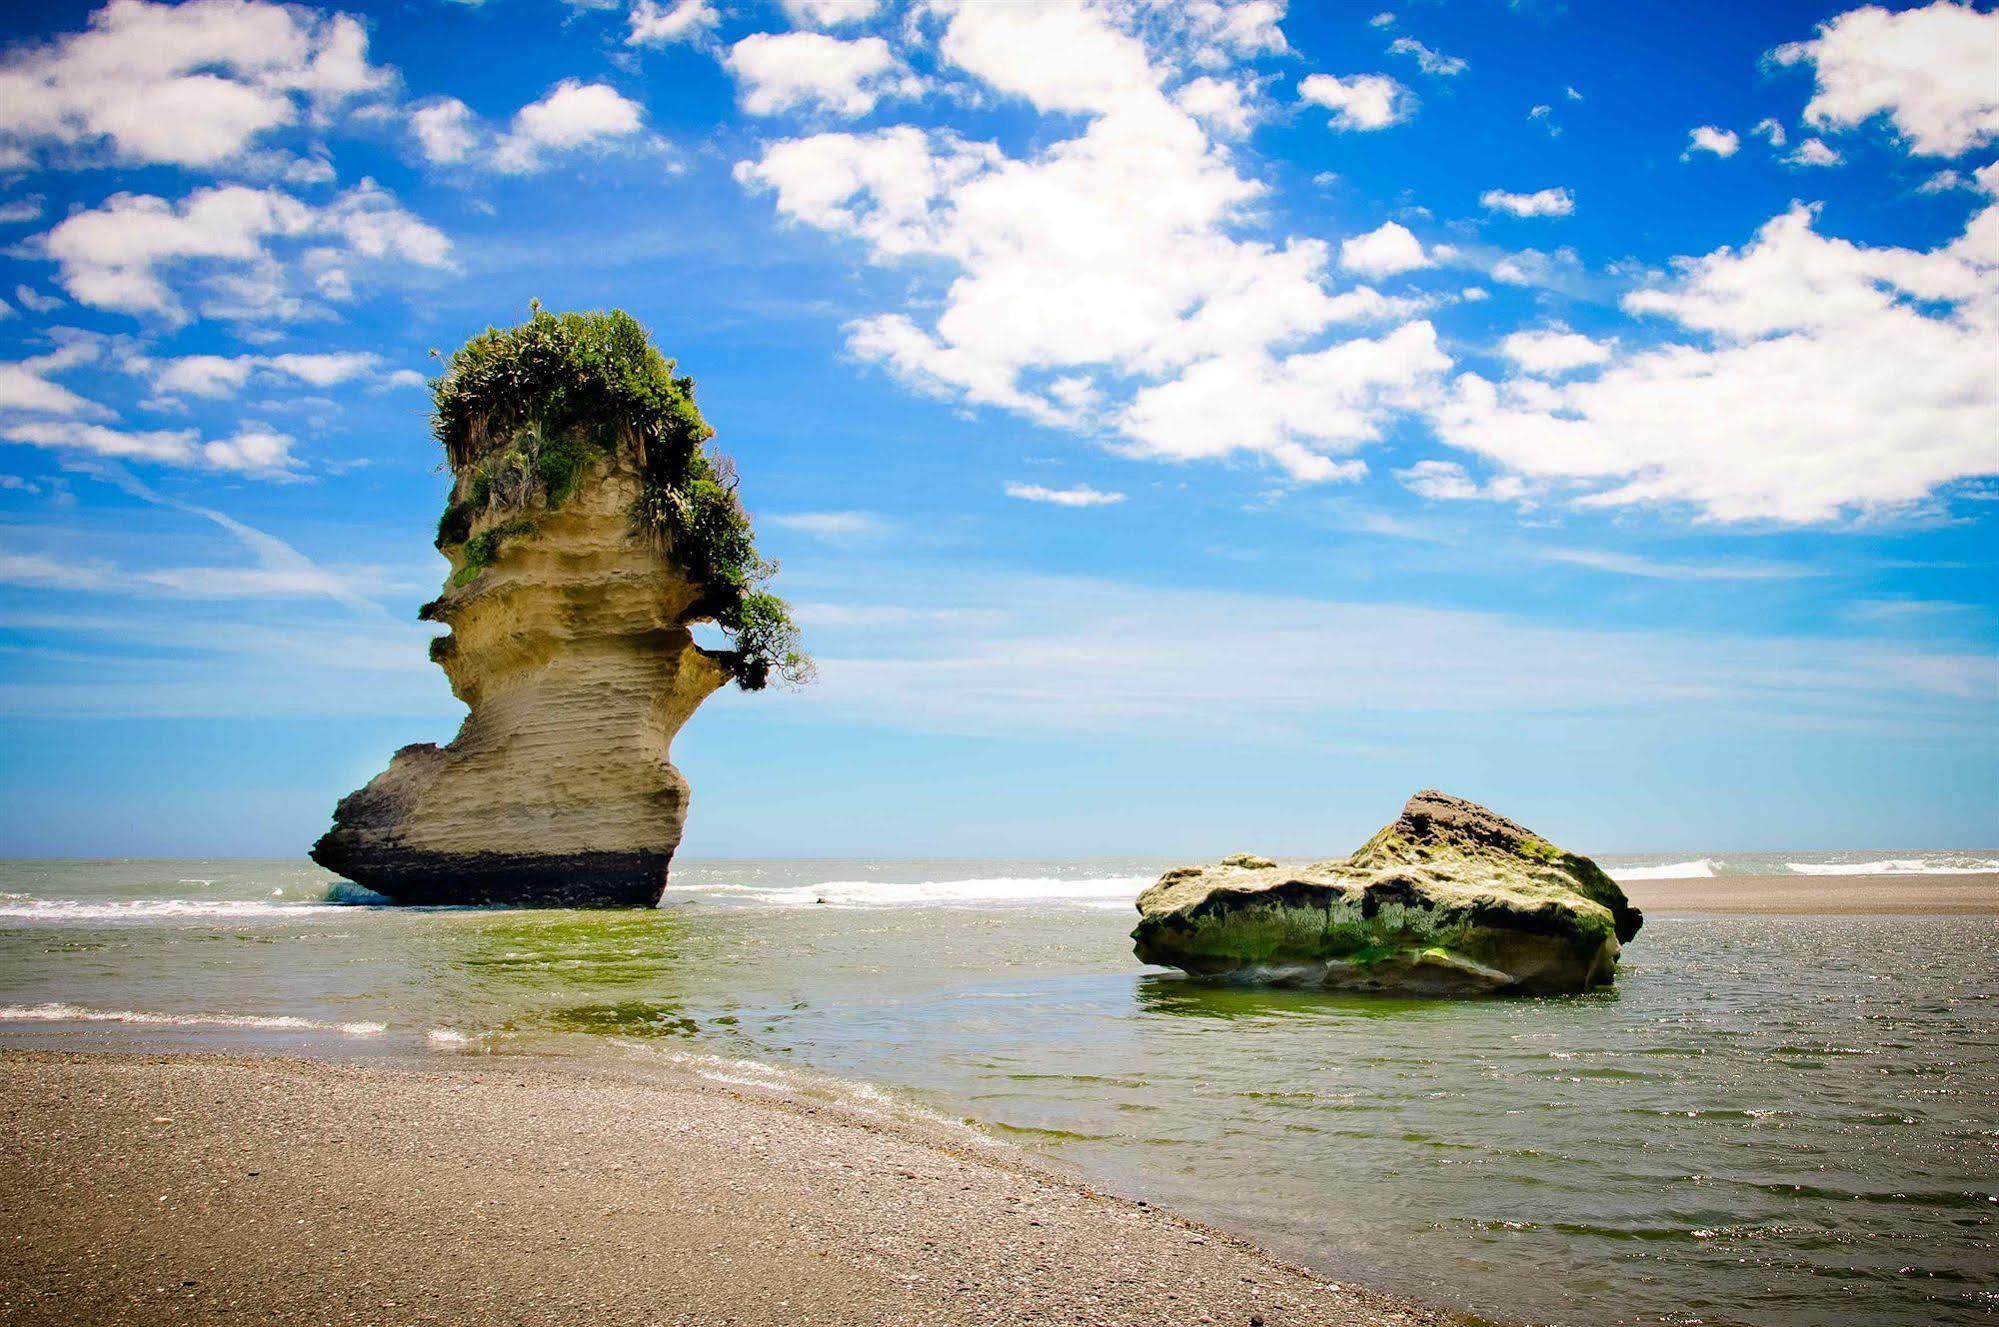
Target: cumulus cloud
1384 251
119 255
1814 152
217 377
573 115
1360 102
829 13
1429 61
1161 329
445 129
1223 107
189 85
1771 131
1540 203
1553 351
1082 495
26 385
1816 378
1707 138
1933 72
655 24
254 450
809 70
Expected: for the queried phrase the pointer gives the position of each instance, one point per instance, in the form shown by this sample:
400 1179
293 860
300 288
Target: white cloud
21 210
1814 152
792 70
1362 102
1385 19
216 377
1540 203
25 384
1819 378
1771 131
1554 351
1946 181
1082 495
1429 61
1441 481
1384 251
1633 564
1707 138
254 450
445 130
572 115
190 85
1058 299
829 13
117 255
34 301
1934 72
654 24
1225 108
833 526
1544 115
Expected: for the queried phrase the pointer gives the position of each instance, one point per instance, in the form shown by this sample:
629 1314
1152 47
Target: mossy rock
1450 899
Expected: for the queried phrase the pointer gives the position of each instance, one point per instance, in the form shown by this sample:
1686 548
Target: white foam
153 909
1900 866
447 1037
1701 868
71 1013
998 891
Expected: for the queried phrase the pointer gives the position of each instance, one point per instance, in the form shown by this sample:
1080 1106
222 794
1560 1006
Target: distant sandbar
1823 895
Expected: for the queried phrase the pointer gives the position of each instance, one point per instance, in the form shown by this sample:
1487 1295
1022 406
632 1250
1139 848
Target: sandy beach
181 1189
1823 895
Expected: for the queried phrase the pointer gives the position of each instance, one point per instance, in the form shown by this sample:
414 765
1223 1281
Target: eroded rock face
570 650
1451 899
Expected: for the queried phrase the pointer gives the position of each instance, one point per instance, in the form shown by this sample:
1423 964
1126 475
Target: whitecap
1940 865
1701 868
71 1013
155 909
994 892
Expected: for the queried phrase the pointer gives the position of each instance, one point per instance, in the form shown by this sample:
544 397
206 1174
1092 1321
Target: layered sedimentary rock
1451 899
569 609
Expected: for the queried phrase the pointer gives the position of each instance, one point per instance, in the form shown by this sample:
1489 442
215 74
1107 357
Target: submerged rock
1451 899
587 530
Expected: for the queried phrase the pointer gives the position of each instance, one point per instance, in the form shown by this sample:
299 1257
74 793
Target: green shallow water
1768 1121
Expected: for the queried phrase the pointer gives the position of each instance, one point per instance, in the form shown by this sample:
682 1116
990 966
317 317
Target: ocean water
1769 1120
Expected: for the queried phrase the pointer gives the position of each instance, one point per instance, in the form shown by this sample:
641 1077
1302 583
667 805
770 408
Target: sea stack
1451 899
588 528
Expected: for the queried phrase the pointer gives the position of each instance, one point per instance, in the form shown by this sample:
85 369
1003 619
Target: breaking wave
71 1013
1701 868
69 910
1941 865
996 892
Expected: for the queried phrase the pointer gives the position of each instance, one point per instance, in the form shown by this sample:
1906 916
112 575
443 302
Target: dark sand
1823 895
197 1189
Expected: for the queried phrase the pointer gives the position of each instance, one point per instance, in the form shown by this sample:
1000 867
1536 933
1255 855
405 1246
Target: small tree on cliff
520 409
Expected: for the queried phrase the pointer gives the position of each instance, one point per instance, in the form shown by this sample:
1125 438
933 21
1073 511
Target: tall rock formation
1451 899
587 529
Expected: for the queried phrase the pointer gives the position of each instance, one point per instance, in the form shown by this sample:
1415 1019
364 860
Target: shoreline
169 1188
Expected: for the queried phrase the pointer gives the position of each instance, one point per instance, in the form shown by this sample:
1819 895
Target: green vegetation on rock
522 412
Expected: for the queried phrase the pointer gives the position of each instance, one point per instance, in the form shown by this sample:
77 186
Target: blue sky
1184 427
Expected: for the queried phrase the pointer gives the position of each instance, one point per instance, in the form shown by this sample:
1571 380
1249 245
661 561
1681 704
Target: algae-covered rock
1450 899
588 529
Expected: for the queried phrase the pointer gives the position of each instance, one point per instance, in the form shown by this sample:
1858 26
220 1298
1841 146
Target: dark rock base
571 880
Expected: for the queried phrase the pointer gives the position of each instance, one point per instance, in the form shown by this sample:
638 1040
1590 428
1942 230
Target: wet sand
1823 895
202 1189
